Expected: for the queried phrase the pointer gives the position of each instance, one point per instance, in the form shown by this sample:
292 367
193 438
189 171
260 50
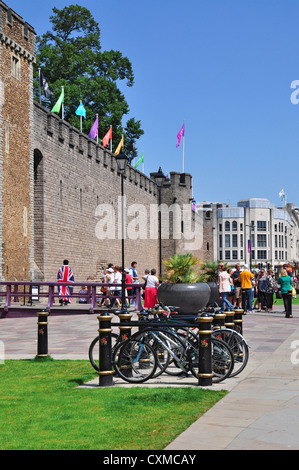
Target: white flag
281 194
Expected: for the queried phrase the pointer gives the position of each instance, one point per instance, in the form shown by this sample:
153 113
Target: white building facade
254 233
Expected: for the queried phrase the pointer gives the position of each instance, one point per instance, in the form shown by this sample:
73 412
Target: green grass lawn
280 301
41 407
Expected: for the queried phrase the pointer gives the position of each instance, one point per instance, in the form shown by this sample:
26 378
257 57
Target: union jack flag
65 274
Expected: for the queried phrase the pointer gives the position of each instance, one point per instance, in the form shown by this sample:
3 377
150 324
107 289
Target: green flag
57 106
141 160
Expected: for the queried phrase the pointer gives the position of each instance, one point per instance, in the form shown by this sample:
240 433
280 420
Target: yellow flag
120 145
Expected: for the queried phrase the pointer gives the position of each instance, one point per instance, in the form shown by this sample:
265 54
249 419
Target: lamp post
249 243
159 178
122 161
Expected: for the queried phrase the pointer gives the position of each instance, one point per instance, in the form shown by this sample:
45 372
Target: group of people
262 285
112 293
113 275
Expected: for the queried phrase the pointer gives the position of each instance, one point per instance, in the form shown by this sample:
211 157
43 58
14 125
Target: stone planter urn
214 296
189 297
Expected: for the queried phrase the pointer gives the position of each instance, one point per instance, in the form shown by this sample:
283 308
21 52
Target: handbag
294 293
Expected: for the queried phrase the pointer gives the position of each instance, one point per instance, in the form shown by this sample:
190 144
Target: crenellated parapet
59 133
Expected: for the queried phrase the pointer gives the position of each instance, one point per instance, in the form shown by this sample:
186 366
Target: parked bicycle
173 350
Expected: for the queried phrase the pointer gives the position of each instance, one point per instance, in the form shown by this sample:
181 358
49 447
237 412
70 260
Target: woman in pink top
225 283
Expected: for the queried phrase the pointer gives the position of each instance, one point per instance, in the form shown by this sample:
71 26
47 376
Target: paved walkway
260 412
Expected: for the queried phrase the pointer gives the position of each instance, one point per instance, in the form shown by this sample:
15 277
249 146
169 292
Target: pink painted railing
12 291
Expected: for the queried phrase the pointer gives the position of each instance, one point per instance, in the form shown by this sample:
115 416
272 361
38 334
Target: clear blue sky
223 67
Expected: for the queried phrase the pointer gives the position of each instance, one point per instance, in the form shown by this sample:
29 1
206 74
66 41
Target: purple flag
94 130
180 135
249 247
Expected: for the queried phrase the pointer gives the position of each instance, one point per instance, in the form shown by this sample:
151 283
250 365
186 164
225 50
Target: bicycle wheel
170 350
93 352
238 346
163 356
135 360
222 359
178 363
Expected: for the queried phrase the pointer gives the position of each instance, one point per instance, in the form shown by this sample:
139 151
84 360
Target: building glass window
227 241
235 254
227 226
235 240
262 240
227 254
261 254
234 226
261 226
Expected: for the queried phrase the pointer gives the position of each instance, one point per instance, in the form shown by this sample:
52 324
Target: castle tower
17 55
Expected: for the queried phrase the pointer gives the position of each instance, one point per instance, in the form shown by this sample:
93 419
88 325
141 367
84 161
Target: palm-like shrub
209 271
180 269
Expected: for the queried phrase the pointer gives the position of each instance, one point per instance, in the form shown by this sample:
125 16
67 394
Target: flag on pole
56 108
94 129
120 145
180 135
282 194
43 83
107 137
80 111
141 160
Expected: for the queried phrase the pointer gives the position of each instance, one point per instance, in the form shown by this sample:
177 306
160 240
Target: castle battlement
70 139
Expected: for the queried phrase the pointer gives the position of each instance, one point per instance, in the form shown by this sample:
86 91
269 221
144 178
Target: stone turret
17 55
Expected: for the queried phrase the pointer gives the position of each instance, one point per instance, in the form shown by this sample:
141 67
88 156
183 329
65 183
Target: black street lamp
122 161
159 178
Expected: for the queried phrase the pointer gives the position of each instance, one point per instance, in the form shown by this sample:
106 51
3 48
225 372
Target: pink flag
180 135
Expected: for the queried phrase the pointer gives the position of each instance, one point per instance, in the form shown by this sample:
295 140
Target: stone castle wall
60 191
74 179
17 55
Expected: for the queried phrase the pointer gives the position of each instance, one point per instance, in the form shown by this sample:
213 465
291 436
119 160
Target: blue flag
80 111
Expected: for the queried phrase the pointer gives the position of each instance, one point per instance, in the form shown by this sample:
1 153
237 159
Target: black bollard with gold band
229 319
238 320
205 372
125 330
218 320
105 350
42 333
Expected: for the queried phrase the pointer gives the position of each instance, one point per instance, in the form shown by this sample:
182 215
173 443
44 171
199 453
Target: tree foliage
70 55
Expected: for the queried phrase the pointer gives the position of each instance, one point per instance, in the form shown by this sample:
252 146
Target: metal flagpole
97 117
62 89
183 166
40 92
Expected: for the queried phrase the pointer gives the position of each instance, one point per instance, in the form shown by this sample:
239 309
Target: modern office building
254 233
